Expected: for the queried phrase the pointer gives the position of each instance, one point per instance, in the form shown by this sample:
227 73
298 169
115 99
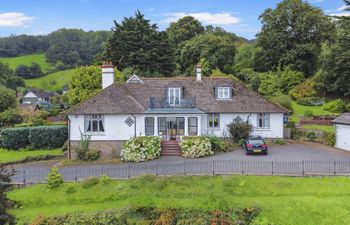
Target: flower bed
141 149
195 147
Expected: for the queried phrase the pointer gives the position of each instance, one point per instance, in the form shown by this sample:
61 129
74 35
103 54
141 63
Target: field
283 200
53 81
27 60
7 156
299 110
324 128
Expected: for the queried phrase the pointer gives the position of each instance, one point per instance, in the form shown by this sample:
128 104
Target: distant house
169 108
37 97
342 131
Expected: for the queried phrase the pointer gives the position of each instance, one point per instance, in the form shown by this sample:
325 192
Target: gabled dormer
223 92
134 79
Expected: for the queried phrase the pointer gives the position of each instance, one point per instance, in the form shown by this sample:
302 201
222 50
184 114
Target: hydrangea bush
141 149
195 147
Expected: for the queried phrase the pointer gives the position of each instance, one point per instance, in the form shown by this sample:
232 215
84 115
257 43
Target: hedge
34 137
141 149
194 147
15 138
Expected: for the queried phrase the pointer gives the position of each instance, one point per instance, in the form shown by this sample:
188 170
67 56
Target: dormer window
223 93
174 96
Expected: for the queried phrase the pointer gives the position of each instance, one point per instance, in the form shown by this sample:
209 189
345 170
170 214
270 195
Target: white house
36 97
170 108
342 131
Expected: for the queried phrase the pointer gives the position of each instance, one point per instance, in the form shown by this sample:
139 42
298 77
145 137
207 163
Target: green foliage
92 155
218 144
54 179
337 106
36 137
6 204
239 129
61 78
292 34
195 147
9 157
141 149
283 100
148 51
304 90
289 78
7 98
308 114
83 150
47 136
329 138
86 82
310 101
27 60
244 58
104 179
269 84
15 138
89 182
26 72
10 117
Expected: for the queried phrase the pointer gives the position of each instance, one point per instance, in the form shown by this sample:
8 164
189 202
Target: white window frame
223 92
88 121
264 118
213 116
146 126
174 96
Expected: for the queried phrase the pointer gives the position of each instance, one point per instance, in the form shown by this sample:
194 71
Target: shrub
37 121
329 138
337 106
89 182
48 136
308 114
283 100
310 101
54 179
141 149
83 147
303 90
218 145
290 124
239 129
104 179
15 138
194 147
92 155
71 190
311 135
10 117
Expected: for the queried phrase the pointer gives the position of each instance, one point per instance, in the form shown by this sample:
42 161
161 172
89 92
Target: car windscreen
256 142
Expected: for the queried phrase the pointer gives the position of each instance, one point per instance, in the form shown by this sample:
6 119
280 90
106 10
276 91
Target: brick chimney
107 74
198 72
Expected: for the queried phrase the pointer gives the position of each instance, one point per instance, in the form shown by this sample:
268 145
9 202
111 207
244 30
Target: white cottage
169 108
342 131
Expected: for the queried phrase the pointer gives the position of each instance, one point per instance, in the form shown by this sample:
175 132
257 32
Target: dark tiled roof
42 94
342 119
135 97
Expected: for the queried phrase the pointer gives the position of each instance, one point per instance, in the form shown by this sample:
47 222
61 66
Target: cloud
14 19
341 11
206 18
315 1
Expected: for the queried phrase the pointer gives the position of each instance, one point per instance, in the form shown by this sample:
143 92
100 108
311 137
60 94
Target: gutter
134 124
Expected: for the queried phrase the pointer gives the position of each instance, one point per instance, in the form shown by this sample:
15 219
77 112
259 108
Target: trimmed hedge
34 137
142 148
195 147
15 138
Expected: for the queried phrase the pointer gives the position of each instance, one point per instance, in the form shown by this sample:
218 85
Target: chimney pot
198 72
107 74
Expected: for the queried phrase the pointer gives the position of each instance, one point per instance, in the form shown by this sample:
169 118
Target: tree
7 98
335 69
239 129
289 78
217 50
269 84
137 44
184 29
8 78
244 58
10 117
6 204
86 81
292 34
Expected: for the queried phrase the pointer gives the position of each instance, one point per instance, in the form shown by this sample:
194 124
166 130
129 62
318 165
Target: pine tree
5 203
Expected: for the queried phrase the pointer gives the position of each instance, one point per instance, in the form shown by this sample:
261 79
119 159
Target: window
192 126
263 120
94 124
180 122
149 126
213 120
174 96
161 126
223 92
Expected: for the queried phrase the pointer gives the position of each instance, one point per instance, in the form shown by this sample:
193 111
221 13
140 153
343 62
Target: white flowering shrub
194 147
141 149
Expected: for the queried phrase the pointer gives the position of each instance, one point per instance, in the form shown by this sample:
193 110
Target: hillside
27 60
53 81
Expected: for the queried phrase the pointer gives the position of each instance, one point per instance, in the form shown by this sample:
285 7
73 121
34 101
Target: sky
38 17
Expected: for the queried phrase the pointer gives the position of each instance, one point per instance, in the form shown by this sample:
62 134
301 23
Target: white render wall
342 136
117 129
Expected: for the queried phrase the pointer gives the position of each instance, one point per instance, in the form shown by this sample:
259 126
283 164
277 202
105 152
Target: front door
172 128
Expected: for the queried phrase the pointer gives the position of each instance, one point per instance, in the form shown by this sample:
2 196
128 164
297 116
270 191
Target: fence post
303 169
185 168
334 168
75 174
157 169
242 166
129 172
24 177
213 167
102 171
272 167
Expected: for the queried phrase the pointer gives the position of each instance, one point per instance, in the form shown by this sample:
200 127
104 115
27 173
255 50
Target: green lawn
53 81
320 127
283 200
13 156
299 110
27 60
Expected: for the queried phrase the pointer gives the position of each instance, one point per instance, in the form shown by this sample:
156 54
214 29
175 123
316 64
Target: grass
27 60
299 110
324 128
283 200
53 81
7 156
